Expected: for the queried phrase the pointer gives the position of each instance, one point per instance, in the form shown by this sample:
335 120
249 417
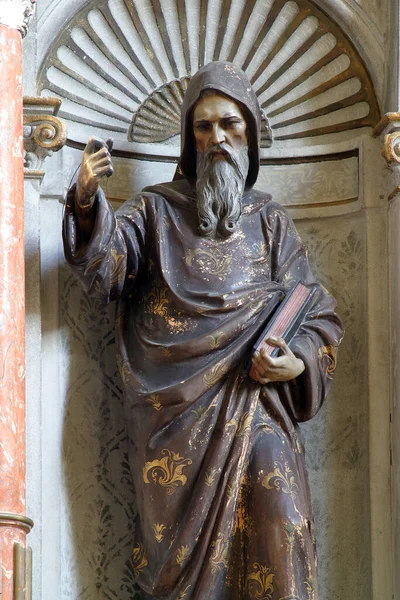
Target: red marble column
13 524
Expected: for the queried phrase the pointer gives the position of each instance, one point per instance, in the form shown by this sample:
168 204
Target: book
286 320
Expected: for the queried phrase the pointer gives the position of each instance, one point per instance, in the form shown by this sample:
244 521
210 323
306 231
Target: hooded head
229 80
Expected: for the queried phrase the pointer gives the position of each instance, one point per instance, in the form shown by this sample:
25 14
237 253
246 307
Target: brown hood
230 80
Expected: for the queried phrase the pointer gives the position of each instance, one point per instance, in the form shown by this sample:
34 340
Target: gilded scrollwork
327 355
124 368
216 339
167 471
310 587
139 559
157 301
158 529
215 373
181 555
282 479
244 427
260 582
210 262
184 592
211 476
219 557
154 400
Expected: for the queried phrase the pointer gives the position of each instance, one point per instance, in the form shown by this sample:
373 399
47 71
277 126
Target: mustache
221 148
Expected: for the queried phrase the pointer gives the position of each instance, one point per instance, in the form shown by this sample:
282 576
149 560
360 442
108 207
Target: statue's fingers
102 161
103 171
110 144
258 361
100 154
286 351
94 144
260 377
278 342
266 358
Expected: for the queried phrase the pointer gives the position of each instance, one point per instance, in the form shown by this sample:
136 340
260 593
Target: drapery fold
216 458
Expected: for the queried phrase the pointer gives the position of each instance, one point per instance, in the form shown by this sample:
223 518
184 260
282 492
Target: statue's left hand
280 368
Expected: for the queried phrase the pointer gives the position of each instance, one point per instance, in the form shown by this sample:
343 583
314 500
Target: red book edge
282 319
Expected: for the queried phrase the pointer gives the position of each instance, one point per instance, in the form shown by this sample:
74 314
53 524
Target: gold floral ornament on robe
223 506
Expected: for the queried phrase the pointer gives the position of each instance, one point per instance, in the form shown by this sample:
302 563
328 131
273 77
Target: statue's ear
266 131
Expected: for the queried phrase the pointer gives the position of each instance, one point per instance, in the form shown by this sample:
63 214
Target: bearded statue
197 267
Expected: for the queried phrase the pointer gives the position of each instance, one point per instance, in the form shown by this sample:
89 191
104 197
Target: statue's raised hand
96 164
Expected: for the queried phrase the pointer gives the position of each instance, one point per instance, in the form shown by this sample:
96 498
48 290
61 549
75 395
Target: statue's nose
217 135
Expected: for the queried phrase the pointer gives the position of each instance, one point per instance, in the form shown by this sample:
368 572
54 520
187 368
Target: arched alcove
120 68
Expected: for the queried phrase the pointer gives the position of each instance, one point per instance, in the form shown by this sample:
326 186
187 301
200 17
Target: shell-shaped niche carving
159 117
121 67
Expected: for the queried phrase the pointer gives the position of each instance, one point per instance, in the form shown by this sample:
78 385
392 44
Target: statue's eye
232 123
202 126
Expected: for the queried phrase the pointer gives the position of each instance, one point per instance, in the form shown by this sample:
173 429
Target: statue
195 266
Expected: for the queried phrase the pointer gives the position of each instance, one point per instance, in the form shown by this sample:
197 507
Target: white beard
220 185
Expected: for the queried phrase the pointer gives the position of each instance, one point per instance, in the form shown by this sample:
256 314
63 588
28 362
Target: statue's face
216 120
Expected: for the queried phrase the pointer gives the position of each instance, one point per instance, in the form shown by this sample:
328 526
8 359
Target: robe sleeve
109 262
321 332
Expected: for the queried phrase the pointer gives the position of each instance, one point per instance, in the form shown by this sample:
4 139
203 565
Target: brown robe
217 459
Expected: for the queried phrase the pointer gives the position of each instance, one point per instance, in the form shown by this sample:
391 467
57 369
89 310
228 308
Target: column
14 560
389 132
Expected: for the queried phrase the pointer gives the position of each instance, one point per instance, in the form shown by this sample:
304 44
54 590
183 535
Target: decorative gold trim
34 173
12 520
22 572
44 133
39 101
391 147
388 129
49 133
387 119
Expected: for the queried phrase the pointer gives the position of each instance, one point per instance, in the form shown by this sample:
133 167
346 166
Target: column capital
17 14
44 133
388 131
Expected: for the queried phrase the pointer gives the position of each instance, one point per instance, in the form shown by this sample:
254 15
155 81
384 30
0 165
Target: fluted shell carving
121 67
159 117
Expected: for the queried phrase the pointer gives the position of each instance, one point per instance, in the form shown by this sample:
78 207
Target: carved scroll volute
44 133
47 132
391 147
388 130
